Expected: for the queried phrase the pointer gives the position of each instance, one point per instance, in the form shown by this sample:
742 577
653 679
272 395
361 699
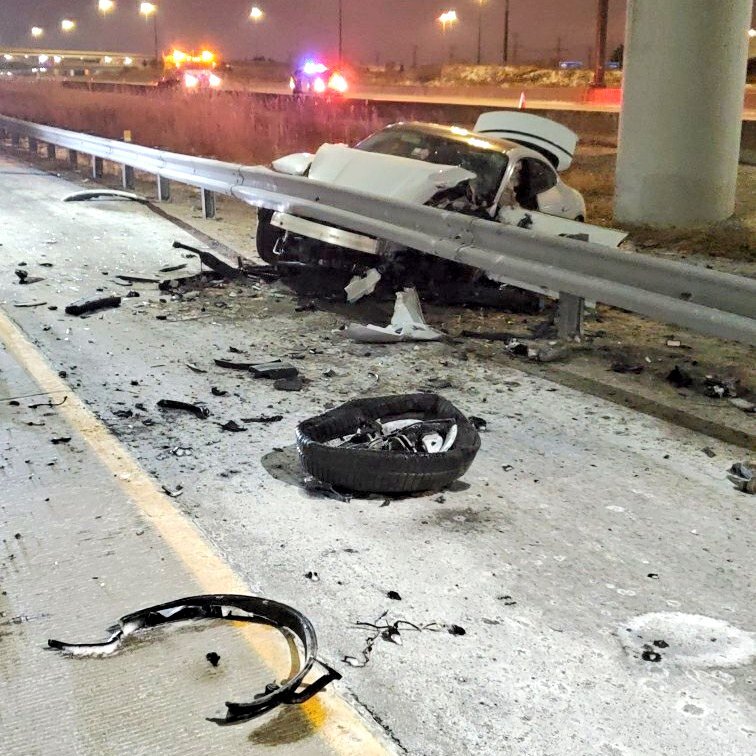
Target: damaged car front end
506 171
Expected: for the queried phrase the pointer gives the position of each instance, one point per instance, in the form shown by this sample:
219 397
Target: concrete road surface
599 562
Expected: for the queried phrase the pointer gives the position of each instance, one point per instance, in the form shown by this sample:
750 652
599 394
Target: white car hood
384 175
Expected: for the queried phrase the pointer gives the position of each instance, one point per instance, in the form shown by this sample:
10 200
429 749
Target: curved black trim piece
526 134
220 607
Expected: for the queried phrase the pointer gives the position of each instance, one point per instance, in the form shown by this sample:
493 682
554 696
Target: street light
147 10
105 6
447 19
256 14
37 32
67 25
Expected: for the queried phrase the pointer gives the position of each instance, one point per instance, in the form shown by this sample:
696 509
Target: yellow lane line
328 714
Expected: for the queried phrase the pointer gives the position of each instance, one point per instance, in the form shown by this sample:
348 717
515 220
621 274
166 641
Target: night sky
374 30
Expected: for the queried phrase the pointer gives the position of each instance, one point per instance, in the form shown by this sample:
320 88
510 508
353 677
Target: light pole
147 10
602 20
447 19
480 29
256 15
341 31
505 54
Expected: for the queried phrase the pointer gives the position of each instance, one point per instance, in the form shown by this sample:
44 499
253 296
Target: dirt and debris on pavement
577 516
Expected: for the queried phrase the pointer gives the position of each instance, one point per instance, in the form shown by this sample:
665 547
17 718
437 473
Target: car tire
375 471
267 236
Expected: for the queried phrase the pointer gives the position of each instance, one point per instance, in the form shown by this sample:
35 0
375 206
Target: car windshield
487 164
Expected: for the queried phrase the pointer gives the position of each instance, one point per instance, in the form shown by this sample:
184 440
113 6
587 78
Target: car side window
542 176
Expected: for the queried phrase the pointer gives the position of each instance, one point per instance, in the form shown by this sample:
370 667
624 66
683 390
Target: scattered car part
25 278
194 368
718 388
233 608
213 658
407 324
273 370
356 468
289 384
91 194
743 404
60 440
478 423
233 427
129 279
173 493
231 365
743 476
624 367
92 304
172 268
263 419
360 287
197 410
212 261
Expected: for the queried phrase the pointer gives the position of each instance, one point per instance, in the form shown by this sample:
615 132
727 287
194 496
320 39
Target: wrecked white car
506 168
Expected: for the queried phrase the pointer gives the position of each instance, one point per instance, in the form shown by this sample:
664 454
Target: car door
545 188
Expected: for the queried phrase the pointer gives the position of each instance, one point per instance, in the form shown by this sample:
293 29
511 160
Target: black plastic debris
175 492
25 278
679 377
624 367
314 486
390 444
273 370
197 410
456 630
60 440
123 413
213 658
263 419
719 388
215 391
232 608
195 368
743 476
91 194
130 279
212 261
92 304
478 423
232 365
288 384
312 576
171 268
233 427
393 595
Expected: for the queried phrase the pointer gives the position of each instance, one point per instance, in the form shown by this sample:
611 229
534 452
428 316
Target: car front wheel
267 236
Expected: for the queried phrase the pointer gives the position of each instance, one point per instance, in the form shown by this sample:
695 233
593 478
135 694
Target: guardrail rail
707 301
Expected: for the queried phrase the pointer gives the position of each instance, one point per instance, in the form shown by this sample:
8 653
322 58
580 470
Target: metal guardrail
707 301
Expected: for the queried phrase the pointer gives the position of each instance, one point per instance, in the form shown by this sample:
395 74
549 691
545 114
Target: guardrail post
73 158
97 167
208 203
163 189
570 316
128 177
51 152
33 145
127 172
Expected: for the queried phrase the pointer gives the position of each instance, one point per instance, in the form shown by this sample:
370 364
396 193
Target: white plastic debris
358 287
407 324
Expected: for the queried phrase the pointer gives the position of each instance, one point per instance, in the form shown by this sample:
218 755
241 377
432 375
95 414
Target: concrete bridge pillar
679 137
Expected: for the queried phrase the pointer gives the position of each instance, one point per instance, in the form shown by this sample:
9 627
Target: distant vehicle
191 71
571 65
613 65
506 170
317 79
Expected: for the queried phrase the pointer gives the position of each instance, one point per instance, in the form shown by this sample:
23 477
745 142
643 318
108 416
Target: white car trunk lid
541 134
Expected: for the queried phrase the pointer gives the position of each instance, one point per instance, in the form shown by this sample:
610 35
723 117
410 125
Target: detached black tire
267 236
376 471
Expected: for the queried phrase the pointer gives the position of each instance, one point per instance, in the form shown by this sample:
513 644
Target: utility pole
599 63
505 55
341 33
480 28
